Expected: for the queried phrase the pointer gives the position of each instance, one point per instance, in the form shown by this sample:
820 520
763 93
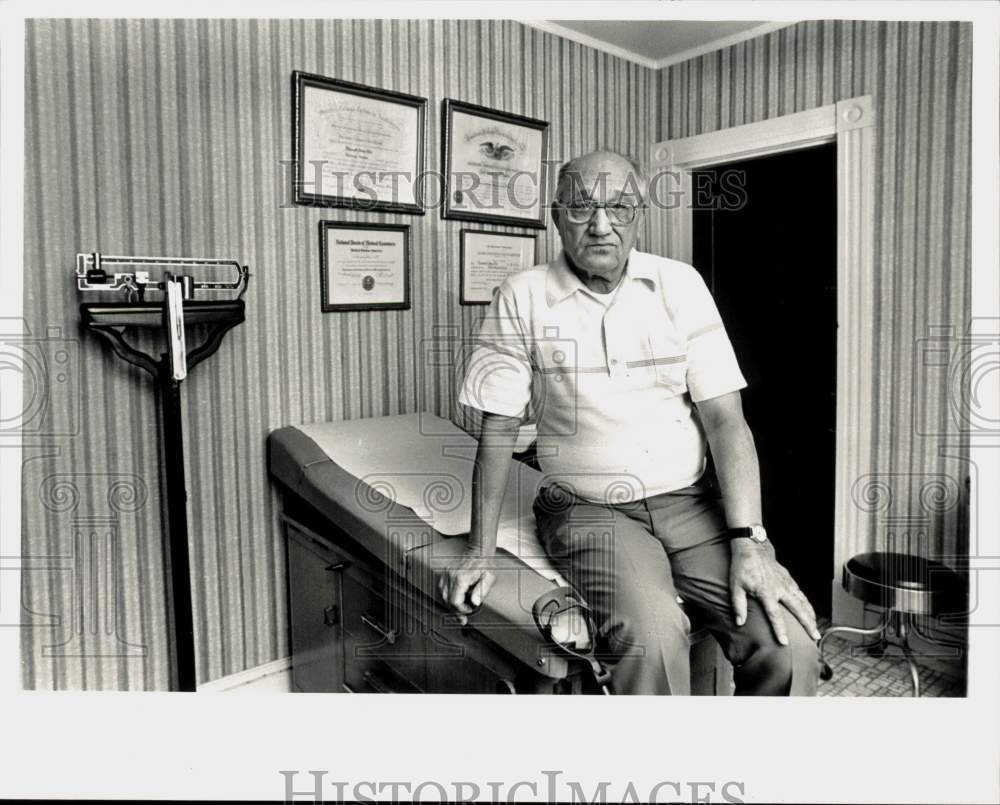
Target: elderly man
626 363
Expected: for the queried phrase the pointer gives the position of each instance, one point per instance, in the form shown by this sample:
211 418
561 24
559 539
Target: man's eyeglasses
618 214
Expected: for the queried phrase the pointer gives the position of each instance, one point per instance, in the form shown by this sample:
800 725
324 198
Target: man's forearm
489 480
736 466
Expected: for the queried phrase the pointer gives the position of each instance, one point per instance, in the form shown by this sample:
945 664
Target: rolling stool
906 586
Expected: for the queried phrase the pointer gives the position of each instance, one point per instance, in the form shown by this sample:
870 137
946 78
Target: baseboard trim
271 677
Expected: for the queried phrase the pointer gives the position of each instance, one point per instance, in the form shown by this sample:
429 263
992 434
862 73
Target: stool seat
905 583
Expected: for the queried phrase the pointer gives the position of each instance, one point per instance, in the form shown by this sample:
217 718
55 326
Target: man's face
599 246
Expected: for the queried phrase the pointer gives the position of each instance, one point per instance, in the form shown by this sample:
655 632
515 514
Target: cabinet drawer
377 632
377 671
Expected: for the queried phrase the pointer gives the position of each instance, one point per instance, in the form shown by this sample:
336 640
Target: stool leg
826 672
914 672
904 633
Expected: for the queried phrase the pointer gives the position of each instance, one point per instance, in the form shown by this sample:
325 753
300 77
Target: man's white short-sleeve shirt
609 379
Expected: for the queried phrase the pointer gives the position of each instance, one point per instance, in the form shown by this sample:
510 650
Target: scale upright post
181 606
171 314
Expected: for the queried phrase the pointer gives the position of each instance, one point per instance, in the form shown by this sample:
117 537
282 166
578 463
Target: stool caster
825 672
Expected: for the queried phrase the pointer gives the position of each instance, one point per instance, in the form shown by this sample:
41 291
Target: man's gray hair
568 170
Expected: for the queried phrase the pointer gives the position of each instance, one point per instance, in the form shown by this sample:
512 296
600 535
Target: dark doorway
765 242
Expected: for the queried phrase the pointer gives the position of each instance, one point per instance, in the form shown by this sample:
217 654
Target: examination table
373 509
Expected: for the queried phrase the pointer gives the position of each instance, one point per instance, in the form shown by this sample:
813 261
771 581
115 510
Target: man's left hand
754 571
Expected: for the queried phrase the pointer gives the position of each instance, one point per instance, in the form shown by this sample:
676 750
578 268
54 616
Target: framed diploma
493 165
356 146
487 258
364 266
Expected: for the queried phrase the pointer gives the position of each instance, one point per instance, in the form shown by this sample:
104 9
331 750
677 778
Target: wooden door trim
851 125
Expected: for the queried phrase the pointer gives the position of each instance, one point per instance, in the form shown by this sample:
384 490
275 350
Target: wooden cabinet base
358 627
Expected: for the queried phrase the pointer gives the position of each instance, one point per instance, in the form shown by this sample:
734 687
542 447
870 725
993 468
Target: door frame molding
851 125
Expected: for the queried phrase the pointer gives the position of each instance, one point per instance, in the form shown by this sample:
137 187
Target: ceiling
657 43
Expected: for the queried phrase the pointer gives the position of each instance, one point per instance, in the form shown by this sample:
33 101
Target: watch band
754 533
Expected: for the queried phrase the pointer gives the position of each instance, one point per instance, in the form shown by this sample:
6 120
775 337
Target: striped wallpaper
919 77
167 137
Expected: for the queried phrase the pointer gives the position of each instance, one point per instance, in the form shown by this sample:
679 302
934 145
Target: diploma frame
464 295
449 107
300 160
325 269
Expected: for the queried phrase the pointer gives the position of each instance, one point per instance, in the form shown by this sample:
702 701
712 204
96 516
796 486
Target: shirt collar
561 282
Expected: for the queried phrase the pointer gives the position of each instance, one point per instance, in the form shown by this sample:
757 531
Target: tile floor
855 673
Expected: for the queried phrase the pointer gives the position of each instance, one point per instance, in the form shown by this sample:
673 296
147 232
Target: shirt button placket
608 343
616 366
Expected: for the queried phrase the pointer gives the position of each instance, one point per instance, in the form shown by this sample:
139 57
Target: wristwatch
754 533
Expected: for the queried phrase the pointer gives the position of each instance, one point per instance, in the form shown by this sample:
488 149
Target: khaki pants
630 561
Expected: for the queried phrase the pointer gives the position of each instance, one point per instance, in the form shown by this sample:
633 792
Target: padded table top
400 486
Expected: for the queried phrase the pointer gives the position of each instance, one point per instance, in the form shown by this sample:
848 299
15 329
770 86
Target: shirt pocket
669 363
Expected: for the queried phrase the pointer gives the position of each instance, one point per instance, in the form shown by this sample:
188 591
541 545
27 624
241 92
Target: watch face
758 534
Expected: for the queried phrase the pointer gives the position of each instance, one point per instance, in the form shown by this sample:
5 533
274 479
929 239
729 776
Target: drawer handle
389 634
338 566
377 684
330 615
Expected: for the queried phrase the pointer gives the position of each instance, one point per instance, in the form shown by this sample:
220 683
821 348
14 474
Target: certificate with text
356 146
488 258
363 267
494 166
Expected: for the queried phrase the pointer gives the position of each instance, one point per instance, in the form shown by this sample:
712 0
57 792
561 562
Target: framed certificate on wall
487 258
364 266
494 169
356 146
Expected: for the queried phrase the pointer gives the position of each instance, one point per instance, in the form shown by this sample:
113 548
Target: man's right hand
466 584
